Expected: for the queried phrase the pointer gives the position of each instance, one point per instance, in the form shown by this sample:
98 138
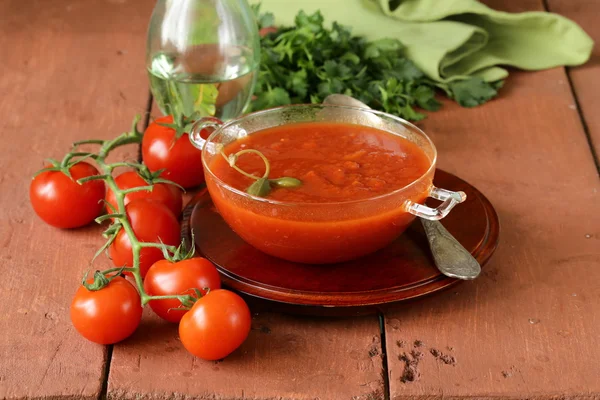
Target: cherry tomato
151 222
217 324
266 30
169 195
108 315
165 278
61 202
180 159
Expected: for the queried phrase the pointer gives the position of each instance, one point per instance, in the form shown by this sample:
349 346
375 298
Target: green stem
106 169
119 141
126 225
241 171
116 269
88 141
165 297
171 249
104 217
261 155
92 178
131 137
138 189
123 165
186 300
66 162
135 245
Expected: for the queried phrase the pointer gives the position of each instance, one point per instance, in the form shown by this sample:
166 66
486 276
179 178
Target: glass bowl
320 233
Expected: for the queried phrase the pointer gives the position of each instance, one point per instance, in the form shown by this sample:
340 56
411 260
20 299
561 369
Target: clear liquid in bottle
207 80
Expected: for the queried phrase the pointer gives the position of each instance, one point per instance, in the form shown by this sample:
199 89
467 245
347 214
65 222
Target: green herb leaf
330 87
425 97
307 62
404 69
260 188
297 84
350 57
383 47
266 20
313 22
271 98
473 91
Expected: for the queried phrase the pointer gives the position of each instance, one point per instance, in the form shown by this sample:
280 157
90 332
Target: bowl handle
200 125
449 200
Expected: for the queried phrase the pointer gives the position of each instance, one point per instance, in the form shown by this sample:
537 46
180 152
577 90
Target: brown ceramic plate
404 270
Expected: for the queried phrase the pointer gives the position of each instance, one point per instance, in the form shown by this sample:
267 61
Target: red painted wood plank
586 78
284 357
528 328
70 71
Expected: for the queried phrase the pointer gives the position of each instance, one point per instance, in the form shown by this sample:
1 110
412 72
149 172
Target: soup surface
335 161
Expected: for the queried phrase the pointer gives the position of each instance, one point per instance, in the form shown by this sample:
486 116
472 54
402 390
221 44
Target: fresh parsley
307 62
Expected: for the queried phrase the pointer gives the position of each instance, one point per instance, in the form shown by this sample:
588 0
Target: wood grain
284 358
70 71
534 314
586 78
528 327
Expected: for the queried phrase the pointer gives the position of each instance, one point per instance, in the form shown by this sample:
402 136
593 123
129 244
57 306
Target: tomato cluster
144 206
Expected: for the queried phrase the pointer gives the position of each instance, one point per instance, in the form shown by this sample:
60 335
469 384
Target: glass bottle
202 56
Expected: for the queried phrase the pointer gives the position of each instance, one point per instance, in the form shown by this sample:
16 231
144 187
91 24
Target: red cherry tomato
108 315
61 202
169 195
180 159
266 30
165 278
151 222
217 324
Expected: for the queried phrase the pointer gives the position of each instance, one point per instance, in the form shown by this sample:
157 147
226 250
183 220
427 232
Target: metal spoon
450 257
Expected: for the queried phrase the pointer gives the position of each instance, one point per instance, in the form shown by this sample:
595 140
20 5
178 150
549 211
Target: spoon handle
451 258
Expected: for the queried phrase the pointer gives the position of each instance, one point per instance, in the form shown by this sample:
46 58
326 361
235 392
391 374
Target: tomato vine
142 240
118 214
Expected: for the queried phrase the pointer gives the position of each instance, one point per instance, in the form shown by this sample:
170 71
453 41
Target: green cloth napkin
451 39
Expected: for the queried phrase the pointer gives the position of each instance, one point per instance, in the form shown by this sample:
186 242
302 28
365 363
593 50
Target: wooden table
529 328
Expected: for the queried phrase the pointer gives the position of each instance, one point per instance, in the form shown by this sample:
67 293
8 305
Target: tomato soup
341 210
335 162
